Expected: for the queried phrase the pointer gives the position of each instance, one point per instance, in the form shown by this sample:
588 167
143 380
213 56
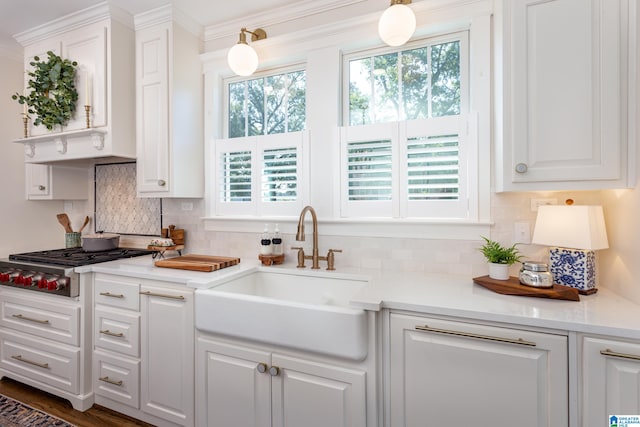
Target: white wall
26 225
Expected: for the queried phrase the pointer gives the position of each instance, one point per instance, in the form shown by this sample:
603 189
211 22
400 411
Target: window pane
369 169
279 175
445 79
297 104
360 92
433 168
267 105
236 110
386 88
415 79
406 85
255 107
235 180
276 99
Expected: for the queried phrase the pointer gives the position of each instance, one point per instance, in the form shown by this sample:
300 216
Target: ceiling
17 16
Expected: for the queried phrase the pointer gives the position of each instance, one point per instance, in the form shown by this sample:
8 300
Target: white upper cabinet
563 110
103 48
169 107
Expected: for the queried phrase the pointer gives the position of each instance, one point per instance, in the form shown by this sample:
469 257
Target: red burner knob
52 285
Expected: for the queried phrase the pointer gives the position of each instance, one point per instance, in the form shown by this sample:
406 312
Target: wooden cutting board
513 287
198 262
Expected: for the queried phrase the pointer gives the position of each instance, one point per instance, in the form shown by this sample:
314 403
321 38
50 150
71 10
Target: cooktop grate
75 257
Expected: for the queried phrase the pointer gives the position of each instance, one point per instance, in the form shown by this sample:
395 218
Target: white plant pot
499 271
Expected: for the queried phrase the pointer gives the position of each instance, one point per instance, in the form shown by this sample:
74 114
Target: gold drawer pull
30 319
519 341
153 294
110 381
109 294
608 352
30 362
113 334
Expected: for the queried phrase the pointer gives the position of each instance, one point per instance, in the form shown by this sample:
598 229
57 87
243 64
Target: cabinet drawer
54 321
40 360
117 331
117 292
117 378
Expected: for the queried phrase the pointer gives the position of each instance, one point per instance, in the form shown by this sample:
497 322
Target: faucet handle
331 258
300 256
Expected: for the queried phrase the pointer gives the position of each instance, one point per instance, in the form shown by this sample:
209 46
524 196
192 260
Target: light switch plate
522 232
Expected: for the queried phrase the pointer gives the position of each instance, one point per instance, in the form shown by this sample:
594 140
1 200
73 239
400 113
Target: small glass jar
534 273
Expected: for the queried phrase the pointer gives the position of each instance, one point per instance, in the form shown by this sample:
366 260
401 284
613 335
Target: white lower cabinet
241 385
43 343
445 372
610 380
143 354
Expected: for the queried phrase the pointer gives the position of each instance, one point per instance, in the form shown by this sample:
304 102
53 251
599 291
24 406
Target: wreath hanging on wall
53 93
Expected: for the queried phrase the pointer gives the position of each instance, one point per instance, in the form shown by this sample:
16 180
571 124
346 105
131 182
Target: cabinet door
88 47
46 182
312 394
566 79
610 380
152 138
232 390
167 353
475 375
38 179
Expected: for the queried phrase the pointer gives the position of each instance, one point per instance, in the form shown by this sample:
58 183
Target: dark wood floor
61 408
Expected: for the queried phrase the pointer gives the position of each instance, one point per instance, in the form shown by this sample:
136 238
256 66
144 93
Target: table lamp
574 234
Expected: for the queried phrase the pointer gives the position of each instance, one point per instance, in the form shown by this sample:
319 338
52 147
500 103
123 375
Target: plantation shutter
261 175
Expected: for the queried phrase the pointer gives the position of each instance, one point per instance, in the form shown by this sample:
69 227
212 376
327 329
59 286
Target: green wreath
53 93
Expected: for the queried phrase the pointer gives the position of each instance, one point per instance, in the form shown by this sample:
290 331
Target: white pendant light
397 24
242 58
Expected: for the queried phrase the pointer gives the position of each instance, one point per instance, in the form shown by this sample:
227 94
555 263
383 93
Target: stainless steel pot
100 242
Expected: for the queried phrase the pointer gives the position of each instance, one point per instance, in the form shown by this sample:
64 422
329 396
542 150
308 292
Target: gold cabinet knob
274 371
262 367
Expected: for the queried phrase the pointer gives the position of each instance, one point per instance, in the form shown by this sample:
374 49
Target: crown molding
73 21
275 16
165 14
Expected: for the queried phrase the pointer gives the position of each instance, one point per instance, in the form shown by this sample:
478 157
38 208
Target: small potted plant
499 258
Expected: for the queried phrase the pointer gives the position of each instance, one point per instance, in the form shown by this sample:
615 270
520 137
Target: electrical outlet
535 203
67 206
187 206
522 232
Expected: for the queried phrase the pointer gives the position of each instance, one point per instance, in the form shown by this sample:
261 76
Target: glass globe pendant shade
242 59
397 24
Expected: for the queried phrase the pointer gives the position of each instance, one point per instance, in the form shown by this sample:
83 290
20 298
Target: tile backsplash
117 209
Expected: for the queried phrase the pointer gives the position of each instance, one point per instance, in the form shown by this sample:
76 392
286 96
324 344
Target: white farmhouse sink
308 311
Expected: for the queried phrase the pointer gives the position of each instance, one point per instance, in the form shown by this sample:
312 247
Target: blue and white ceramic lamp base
573 267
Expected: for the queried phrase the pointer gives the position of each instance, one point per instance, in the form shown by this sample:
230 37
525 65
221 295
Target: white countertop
602 313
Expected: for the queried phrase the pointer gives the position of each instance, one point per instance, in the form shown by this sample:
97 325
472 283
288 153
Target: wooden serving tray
513 287
198 262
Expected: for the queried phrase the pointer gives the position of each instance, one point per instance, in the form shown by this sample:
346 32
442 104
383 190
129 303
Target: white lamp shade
577 227
397 24
242 59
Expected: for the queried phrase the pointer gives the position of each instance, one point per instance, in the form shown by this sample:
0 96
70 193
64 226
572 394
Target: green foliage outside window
267 105
412 84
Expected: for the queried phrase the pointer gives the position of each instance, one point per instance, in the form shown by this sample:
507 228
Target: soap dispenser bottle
265 242
276 242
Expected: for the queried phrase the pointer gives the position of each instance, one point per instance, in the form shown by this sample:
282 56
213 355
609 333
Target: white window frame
321 50
464 124
236 79
461 36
